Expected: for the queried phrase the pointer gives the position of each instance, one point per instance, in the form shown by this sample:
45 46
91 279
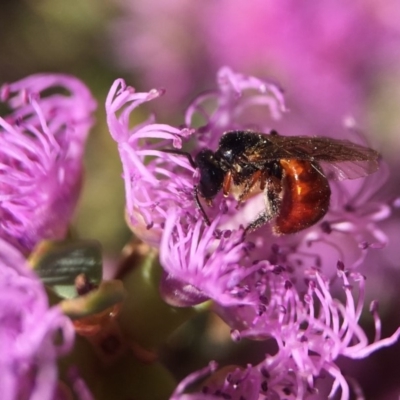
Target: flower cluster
157 180
42 141
159 183
256 280
43 135
292 290
310 333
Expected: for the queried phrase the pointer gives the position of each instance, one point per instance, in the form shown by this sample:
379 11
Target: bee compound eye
211 174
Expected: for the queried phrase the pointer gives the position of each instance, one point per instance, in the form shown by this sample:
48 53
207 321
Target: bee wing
349 169
340 159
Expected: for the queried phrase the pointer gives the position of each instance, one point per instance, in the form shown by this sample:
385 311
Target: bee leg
258 176
272 205
263 180
199 205
226 185
261 220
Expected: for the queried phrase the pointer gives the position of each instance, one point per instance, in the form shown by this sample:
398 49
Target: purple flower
201 263
154 180
228 383
315 331
42 141
310 332
28 332
257 282
159 184
353 226
329 55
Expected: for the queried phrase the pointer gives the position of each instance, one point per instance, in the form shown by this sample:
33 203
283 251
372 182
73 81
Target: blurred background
334 59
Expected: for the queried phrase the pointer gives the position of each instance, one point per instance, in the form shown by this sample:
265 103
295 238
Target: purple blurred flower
30 332
133 35
330 56
229 383
42 141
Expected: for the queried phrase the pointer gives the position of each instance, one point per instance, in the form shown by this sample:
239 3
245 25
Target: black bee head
211 174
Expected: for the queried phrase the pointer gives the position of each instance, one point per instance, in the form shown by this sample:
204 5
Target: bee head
211 174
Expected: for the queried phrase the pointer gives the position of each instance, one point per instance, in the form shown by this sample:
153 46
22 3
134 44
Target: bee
291 171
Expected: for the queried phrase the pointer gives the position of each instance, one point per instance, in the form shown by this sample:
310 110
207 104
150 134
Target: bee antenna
195 188
199 206
181 153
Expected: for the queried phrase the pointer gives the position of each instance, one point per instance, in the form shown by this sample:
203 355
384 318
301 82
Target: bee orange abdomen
305 198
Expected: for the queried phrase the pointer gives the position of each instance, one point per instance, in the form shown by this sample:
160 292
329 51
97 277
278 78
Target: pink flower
160 178
154 185
201 263
28 332
41 145
310 332
257 282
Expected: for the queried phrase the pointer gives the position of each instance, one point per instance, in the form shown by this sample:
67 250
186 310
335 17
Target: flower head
160 177
157 180
160 180
154 180
202 263
42 141
311 332
257 281
28 349
315 331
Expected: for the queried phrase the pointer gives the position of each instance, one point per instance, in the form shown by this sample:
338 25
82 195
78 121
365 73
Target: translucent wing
340 159
349 169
